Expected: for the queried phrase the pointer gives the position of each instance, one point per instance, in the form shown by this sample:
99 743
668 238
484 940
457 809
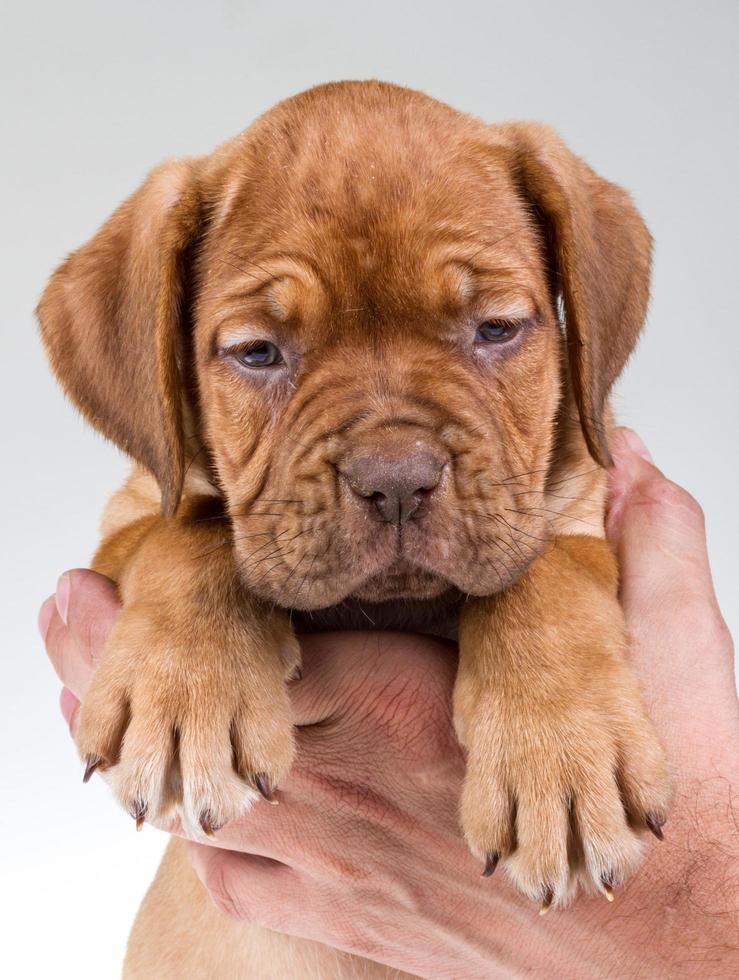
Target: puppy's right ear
111 322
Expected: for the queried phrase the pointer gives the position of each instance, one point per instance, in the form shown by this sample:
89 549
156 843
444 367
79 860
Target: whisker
310 569
280 561
563 517
287 579
249 262
556 496
238 269
513 527
242 515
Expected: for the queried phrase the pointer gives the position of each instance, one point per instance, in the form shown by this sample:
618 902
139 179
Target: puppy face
394 331
359 296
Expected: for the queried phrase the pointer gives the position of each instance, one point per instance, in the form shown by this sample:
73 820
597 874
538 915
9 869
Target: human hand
364 854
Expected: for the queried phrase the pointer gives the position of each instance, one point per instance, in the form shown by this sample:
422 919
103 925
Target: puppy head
353 309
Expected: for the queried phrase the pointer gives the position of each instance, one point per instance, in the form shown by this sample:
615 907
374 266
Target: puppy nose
396 485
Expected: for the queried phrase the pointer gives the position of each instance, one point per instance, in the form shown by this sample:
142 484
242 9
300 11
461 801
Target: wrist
678 917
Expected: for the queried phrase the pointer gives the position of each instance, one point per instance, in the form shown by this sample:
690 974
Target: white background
93 94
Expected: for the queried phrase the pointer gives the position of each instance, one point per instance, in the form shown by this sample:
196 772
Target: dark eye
497 331
259 354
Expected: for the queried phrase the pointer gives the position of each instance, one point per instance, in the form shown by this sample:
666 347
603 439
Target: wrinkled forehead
386 227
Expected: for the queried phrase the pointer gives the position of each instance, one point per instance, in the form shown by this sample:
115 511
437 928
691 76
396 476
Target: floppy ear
111 322
601 252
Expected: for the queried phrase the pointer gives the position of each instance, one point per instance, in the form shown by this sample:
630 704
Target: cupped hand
363 852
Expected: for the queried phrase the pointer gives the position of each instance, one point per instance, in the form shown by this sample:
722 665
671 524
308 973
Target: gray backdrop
93 94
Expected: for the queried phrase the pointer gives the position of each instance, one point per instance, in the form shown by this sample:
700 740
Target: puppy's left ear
600 250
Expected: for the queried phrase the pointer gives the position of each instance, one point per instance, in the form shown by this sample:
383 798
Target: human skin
364 852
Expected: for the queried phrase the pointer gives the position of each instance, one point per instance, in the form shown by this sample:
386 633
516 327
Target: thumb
247 887
658 531
680 645
75 624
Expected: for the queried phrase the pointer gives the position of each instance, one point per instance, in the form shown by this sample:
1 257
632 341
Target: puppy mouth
376 562
392 531
401 578
423 562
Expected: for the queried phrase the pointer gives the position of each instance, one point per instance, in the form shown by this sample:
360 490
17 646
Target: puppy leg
188 710
564 768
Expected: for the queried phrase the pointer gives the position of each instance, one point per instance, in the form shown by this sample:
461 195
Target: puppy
361 357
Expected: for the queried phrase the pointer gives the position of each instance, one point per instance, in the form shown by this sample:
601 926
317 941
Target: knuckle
724 639
708 628
90 616
221 886
699 615
88 641
668 496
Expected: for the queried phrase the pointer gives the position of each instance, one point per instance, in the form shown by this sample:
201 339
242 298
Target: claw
263 785
207 825
608 891
138 812
490 864
92 763
546 902
655 826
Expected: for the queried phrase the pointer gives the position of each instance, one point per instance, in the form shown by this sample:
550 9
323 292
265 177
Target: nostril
398 507
396 485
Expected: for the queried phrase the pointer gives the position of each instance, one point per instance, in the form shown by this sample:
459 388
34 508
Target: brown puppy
365 349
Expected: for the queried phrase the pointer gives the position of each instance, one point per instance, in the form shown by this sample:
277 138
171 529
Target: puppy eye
261 353
497 331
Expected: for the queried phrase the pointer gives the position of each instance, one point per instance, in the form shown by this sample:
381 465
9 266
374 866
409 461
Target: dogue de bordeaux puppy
361 357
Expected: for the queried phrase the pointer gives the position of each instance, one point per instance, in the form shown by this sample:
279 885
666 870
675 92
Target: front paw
559 792
190 719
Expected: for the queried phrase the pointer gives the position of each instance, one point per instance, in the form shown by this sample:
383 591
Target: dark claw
297 674
263 785
546 901
206 822
92 764
655 826
490 864
138 812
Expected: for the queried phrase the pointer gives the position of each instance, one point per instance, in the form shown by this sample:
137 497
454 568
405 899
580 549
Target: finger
70 707
72 669
658 530
88 604
250 888
680 644
75 624
45 613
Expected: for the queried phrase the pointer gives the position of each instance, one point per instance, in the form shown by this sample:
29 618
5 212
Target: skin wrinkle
295 421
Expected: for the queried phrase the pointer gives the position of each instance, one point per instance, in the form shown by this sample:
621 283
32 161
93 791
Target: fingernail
44 617
490 865
63 587
655 826
635 444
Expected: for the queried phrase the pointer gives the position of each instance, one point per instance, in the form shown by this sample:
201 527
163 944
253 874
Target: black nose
396 485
